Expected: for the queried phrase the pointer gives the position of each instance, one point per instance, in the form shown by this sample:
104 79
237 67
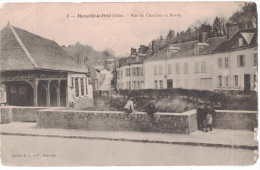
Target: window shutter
243 58
238 61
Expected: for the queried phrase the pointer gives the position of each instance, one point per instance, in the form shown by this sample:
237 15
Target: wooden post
35 95
48 93
84 84
58 93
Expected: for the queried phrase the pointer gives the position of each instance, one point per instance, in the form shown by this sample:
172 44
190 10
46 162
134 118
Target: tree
246 17
216 30
170 36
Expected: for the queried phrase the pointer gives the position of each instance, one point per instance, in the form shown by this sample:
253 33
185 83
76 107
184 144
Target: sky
118 29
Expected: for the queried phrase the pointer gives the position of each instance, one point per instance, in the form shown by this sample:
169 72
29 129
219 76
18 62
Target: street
53 151
106 85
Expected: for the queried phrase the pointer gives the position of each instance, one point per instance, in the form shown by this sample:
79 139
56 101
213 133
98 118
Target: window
186 71
255 58
227 81
219 62
138 84
160 70
226 62
77 87
134 85
128 84
138 71
161 84
177 68
141 71
169 69
155 84
197 64
240 41
134 71
82 86
219 81
155 70
126 72
203 66
236 80
122 73
241 61
86 86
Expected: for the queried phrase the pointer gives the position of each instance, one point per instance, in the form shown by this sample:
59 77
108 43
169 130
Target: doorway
247 82
169 84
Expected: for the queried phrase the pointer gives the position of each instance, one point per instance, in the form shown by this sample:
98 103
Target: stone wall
238 120
117 121
5 115
19 114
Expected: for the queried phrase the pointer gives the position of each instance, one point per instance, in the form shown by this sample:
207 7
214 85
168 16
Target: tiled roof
186 49
22 50
233 42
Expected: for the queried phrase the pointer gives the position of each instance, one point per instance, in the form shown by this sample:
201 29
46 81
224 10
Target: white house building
236 62
130 73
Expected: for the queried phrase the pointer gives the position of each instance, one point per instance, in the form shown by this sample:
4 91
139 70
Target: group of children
205 117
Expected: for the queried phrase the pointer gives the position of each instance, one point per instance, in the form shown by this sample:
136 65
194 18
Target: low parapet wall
117 121
235 119
19 113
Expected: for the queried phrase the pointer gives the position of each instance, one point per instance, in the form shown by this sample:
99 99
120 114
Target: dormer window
199 46
172 50
196 49
240 41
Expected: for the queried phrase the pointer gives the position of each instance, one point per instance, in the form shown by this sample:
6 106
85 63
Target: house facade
236 62
36 71
130 70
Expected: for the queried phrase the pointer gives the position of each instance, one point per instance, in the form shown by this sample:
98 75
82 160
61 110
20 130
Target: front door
247 82
169 84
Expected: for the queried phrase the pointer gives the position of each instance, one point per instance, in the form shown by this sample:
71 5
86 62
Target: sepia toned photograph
129 84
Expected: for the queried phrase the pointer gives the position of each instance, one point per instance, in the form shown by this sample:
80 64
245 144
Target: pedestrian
151 109
129 107
201 115
209 118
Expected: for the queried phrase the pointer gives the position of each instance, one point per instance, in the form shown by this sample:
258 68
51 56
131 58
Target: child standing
209 117
209 121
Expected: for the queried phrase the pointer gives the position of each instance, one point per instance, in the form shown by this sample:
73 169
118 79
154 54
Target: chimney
231 29
133 50
204 36
153 47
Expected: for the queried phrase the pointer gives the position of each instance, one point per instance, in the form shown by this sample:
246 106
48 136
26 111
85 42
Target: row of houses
218 63
35 71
